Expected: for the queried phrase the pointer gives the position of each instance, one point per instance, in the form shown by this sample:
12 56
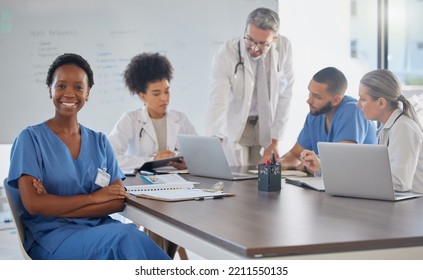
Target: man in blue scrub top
333 117
69 180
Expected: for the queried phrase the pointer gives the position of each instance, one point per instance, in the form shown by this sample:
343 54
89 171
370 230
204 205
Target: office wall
108 33
4 162
320 37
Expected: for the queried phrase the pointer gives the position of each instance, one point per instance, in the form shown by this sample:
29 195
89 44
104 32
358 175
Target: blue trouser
113 241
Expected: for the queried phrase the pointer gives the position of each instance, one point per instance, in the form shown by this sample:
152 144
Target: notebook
179 191
163 178
358 170
204 156
313 183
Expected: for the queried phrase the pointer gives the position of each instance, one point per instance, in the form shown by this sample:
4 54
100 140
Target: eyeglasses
261 45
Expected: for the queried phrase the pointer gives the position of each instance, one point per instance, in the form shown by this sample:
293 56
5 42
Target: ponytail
408 110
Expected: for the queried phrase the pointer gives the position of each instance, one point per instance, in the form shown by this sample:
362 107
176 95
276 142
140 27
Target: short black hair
334 78
70 58
146 68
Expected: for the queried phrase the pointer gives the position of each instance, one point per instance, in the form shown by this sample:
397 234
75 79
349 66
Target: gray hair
383 83
265 19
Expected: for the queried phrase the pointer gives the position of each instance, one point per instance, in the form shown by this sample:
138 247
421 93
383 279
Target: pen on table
208 197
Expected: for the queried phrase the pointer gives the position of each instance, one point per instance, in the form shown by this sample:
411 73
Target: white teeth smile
68 104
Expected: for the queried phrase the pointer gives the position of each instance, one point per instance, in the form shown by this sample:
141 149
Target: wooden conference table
294 223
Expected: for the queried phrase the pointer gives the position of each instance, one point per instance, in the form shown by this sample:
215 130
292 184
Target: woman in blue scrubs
69 180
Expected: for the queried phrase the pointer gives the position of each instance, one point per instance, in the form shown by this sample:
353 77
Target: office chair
16 207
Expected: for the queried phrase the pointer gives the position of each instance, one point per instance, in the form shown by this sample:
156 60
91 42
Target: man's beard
323 110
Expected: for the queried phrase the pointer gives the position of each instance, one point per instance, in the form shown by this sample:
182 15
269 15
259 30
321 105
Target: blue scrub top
348 123
38 152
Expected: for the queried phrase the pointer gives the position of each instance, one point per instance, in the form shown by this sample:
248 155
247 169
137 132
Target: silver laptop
358 170
205 157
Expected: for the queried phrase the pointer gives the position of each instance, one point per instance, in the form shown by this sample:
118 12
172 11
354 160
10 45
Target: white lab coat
404 139
131 149
231 94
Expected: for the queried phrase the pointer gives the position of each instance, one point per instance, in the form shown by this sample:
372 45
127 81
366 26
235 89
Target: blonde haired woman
381 99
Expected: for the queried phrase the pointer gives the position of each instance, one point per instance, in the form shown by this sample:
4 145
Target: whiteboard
108 33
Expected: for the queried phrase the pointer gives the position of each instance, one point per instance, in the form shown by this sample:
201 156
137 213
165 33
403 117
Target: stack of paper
163 178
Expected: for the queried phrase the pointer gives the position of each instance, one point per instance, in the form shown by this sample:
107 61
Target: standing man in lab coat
251 89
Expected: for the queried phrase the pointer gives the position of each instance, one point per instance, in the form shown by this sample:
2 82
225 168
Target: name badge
103 178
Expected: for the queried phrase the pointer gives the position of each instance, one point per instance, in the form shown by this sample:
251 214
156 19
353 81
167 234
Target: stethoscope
142 129
240 62
402 113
